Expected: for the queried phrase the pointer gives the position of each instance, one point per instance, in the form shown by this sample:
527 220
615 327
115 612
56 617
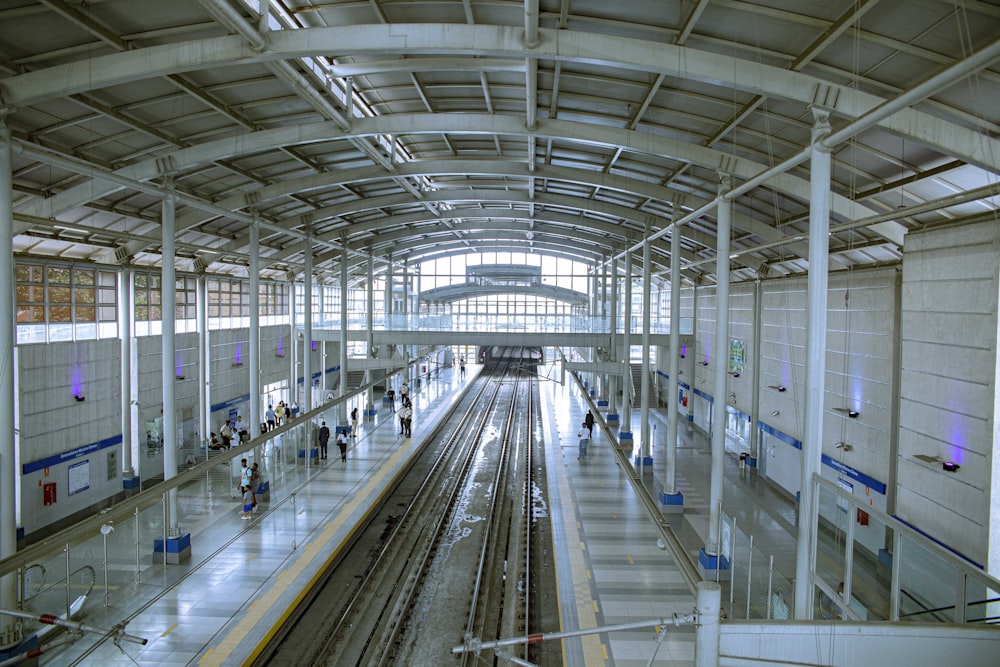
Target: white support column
168 299
708 606
125 338
812 446
613 347
755 372
671 494
254 415
719 364
307 331
293 360
370 321
625 430
10 631
388 292
204 362
646 450
343 329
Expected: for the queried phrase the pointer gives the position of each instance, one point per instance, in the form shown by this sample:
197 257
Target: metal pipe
749 574
254 416
673 382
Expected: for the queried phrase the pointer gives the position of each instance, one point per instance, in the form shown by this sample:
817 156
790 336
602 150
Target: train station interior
756 241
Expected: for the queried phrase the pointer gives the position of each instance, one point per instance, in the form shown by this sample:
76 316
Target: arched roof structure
408 129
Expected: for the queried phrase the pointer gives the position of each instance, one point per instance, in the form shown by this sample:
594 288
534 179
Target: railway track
450 554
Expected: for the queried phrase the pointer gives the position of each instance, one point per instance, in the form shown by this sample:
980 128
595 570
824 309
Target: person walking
271 417
588 420
404 392
254 485
354 422
461 366
584 442
342 443
247 504
407 420
391 395
324 439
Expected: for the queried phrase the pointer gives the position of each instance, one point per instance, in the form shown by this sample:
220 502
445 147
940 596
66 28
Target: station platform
216 608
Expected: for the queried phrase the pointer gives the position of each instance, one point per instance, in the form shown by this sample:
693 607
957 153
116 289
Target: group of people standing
249 482
324 441
405 413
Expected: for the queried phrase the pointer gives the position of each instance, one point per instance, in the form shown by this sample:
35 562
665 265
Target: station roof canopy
409 129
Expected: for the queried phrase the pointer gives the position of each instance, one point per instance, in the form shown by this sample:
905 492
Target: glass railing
756 589
871 566
115 562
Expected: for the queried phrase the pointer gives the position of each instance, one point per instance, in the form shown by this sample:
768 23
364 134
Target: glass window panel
141 297
59 275
155 313
84 277
86 331
86 314
141 312
30 314
84 295
30 294
59 294
60 332
154 296
107 279
154 281
108 313
107 296
141 280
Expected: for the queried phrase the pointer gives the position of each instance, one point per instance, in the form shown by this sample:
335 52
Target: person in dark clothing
342 443
588 421
324 439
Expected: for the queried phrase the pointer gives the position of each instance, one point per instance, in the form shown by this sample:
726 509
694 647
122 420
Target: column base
625 435
709 564
371 412
672 503
178 548
645 461
602 403
612 418
130 484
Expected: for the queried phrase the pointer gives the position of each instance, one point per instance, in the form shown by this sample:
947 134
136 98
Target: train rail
449 556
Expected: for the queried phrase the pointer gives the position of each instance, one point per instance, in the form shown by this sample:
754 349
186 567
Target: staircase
636 371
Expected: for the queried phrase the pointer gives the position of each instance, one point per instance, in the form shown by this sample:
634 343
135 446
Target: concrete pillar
204 361
125 324
708 605
613 348
673 370
755 372
307 330
254 353
168 351
293 362
647 314
10 631
812 446
625 432
343 329
719 364
370 321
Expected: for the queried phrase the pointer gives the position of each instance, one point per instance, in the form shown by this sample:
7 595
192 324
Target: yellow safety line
169 630
255 612
593 653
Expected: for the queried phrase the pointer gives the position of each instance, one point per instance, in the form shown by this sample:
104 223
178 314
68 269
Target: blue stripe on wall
846 470
50 461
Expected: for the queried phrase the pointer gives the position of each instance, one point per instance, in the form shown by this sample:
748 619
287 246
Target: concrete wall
948 385
859 376
57 433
